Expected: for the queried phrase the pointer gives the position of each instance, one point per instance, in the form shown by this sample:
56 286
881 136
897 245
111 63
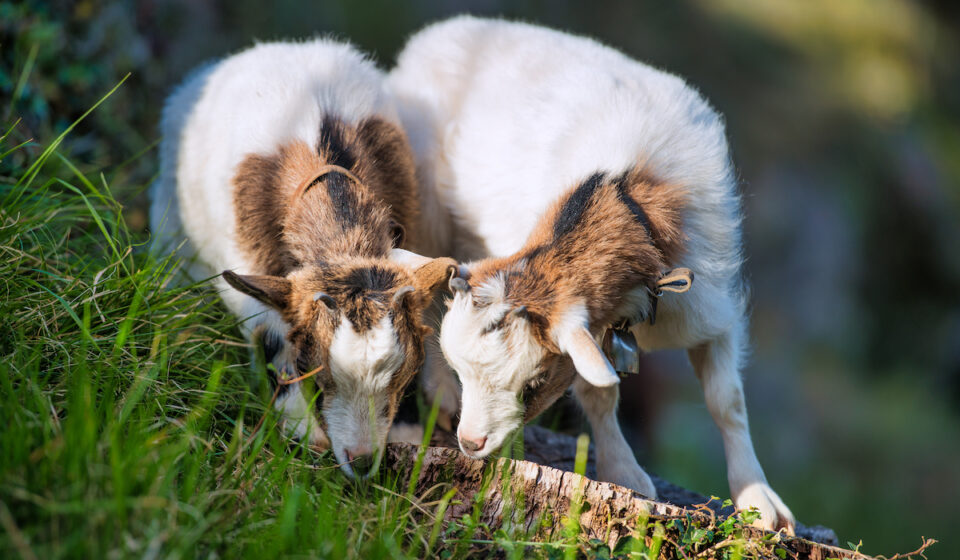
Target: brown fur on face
363 292
602 239
556 376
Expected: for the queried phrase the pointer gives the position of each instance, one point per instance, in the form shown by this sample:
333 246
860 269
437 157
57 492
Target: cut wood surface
541 490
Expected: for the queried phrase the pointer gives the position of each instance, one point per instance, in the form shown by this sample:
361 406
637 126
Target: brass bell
620 347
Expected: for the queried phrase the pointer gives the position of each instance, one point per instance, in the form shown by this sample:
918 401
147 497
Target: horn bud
326 299
520 312
402 293
459 285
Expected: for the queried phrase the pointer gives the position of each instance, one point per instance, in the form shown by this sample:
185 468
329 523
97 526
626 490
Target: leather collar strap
323 171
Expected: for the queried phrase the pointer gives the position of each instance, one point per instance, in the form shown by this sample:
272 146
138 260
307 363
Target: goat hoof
318 439
774 514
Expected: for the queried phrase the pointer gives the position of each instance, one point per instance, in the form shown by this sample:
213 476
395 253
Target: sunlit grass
127 404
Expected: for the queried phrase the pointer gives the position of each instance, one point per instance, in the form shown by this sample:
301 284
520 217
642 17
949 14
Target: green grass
127 403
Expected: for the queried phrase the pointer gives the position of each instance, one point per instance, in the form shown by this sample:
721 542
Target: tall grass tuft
127 403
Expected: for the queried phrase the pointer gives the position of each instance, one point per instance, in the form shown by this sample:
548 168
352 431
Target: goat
286 167
586 178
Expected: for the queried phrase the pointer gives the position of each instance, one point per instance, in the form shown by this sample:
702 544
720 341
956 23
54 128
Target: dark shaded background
844 118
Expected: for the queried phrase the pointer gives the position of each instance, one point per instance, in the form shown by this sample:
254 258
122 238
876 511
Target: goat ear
400 295
408 259
398 233
434 274
458 279
428 274
678 280
587 357
271 290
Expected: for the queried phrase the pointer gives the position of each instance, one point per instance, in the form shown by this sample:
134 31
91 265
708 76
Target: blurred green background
844 118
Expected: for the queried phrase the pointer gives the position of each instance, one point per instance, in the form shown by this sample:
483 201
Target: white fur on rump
252 103
505 118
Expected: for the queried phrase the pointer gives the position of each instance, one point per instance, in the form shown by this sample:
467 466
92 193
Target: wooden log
540 493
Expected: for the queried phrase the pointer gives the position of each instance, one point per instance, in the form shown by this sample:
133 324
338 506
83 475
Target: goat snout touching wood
285 166
589 181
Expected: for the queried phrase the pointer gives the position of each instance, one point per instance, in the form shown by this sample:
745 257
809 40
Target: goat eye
527 395
539 379
530 389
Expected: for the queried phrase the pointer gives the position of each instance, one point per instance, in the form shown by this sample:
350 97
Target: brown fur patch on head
604 238
362 290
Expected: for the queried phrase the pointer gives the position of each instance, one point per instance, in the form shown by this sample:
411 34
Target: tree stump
542 490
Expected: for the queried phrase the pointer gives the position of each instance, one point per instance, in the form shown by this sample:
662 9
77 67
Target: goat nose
472 443
360 459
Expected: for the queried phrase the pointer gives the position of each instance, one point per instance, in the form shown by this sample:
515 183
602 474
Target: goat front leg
716 364
297 417
615 460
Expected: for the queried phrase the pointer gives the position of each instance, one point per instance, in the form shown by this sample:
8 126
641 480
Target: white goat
585 176
286 166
